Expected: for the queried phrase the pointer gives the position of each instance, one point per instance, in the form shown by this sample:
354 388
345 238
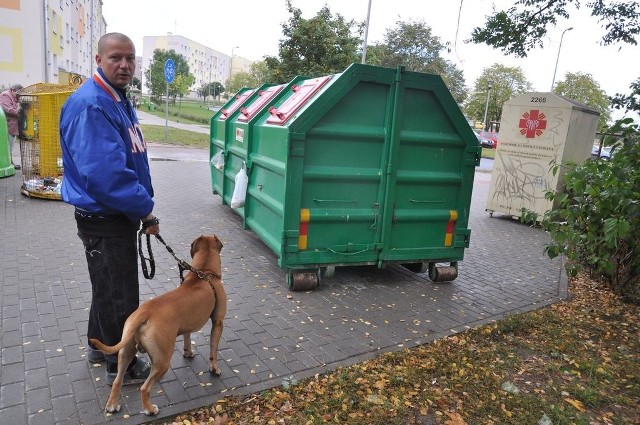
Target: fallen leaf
454 419
575 403
379 384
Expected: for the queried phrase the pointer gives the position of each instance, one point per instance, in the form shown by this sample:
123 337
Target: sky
253 29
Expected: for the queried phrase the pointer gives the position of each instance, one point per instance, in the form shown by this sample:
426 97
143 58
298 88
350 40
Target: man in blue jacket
107 179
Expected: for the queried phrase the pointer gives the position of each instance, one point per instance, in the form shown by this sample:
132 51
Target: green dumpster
219 134
370 166
152 106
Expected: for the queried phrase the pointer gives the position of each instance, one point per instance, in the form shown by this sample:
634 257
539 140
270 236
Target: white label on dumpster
240 135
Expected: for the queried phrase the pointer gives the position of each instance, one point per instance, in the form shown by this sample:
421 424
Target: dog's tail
107 349
128 333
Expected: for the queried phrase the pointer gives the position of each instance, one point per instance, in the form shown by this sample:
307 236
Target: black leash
143 260
182 264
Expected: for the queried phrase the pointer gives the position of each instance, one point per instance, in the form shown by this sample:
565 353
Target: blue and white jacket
106 169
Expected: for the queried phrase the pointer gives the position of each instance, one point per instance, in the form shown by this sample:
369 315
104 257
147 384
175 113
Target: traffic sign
169 71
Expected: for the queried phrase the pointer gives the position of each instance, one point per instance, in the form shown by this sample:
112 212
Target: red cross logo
532 123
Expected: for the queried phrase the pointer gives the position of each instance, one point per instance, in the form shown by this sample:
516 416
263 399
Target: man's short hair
112 35
16 87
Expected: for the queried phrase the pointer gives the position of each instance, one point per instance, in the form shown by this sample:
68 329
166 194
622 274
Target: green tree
155 79
324 44
136 83
260 72
181 85
523 27
506 83
242 79
413 45
214 89
583 88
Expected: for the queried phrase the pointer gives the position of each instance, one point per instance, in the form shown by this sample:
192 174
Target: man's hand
151 225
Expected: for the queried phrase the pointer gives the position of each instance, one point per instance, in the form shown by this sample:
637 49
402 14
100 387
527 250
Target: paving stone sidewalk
270 333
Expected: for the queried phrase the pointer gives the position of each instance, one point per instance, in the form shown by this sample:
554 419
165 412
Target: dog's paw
188 354
112 409
152 411
214 369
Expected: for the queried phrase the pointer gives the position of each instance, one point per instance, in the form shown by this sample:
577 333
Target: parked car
485 143
605 153
491 135
485 140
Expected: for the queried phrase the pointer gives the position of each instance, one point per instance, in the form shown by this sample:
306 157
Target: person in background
11 108
107 179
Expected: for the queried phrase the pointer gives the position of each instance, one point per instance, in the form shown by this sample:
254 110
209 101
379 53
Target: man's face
118 61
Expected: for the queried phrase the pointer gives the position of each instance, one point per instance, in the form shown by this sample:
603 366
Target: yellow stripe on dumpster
305 216
451 225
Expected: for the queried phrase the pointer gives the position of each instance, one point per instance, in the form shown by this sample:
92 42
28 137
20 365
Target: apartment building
206 64
51 41
48 41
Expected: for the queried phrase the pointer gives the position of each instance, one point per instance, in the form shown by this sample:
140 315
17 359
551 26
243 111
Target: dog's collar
208 276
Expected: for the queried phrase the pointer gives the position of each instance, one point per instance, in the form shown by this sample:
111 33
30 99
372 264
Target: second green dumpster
367 167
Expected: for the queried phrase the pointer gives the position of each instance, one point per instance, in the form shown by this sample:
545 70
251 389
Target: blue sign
169 70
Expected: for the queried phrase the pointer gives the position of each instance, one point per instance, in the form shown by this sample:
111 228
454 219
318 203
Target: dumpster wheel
443 274
303 280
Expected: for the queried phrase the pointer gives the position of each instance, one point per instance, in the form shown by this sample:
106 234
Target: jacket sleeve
102 158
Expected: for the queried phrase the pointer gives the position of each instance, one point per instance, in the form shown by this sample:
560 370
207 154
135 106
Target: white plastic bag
240 191
217 160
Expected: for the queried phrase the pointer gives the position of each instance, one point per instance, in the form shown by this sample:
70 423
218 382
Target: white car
605 153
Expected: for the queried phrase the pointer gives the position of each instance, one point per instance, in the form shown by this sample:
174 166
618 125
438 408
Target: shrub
597 220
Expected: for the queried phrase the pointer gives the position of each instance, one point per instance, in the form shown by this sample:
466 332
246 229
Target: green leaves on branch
596 221
523 27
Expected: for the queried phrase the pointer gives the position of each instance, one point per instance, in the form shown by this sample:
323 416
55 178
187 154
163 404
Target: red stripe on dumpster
451 226
304 228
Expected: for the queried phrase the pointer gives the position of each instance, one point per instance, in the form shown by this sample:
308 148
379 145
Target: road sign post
169 76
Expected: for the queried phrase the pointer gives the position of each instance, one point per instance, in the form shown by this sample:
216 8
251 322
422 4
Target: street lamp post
210 60
486 106
366 33
230 71
558 57
231 61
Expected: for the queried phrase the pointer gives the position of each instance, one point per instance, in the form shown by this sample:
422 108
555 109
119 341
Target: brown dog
154 326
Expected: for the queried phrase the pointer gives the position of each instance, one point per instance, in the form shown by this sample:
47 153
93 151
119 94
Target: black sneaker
137 374
94 356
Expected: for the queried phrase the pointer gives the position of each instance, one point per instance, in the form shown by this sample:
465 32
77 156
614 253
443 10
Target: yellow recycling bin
39 136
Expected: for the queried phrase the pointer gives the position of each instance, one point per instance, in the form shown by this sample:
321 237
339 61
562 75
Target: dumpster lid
239 99
301 94
264 96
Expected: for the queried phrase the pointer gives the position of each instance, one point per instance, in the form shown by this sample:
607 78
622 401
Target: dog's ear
194 244
220 245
